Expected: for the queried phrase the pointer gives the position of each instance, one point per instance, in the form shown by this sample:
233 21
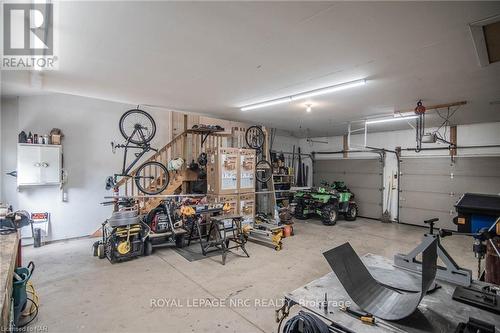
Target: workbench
437 311
8 257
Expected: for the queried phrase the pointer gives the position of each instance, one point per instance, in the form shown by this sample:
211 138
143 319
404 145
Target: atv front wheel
299 213
352 213
329 215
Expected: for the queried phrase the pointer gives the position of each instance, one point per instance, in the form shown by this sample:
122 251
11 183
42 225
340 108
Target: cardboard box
231 200
55 139
246 171
246 205
222 171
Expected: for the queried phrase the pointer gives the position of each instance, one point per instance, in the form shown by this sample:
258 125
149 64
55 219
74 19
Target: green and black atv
327 201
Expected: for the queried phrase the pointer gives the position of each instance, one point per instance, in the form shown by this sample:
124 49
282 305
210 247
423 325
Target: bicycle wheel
152 178
137 126
263 171
254 137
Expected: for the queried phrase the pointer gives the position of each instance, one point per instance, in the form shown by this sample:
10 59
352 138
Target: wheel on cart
100 251
329 215
94 248
148 248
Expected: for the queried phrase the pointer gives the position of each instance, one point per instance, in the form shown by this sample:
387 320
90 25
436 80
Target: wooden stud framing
453 139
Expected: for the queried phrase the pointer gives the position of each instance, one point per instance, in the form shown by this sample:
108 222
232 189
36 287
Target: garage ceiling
214 57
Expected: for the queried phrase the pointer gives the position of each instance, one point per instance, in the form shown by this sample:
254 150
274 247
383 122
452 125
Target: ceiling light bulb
308 108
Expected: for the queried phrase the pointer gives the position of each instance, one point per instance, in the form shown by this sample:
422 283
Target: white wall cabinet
38 164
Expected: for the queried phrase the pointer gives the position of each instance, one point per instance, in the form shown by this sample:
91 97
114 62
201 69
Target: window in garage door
430 186
362 176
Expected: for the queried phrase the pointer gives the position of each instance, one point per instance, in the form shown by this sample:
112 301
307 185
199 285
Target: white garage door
362 176
431 186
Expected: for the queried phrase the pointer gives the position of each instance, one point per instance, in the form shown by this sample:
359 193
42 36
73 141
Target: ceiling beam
434 107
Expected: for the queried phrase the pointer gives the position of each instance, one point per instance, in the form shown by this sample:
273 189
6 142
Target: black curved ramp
370 295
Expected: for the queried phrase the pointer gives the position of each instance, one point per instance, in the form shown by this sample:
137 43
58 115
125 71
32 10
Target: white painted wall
89 125
8 134
467 135
284 142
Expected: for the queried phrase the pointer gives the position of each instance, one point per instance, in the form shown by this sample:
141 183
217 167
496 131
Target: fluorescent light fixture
268 103
386 120
399 114
306 94
328 90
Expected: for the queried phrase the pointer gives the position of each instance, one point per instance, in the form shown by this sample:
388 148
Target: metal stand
451 272
214 235
225 234
200 224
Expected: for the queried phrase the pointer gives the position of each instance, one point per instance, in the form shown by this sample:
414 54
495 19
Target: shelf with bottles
53 138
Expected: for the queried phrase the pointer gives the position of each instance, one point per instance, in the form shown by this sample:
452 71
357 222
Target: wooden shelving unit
282 184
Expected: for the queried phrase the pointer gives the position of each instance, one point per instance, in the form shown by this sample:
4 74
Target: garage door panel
369 210
348 165
476 184
481 166
366 195
432 201
362 176
440 184
426 185
417 214
425 166
368 181
469 166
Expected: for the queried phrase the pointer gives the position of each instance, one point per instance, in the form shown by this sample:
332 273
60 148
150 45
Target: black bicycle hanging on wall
139 128
255 138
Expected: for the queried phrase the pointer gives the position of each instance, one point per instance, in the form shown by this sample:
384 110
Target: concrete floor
79 292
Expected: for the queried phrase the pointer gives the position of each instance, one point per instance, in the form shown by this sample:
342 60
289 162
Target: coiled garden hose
32 311
305 322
